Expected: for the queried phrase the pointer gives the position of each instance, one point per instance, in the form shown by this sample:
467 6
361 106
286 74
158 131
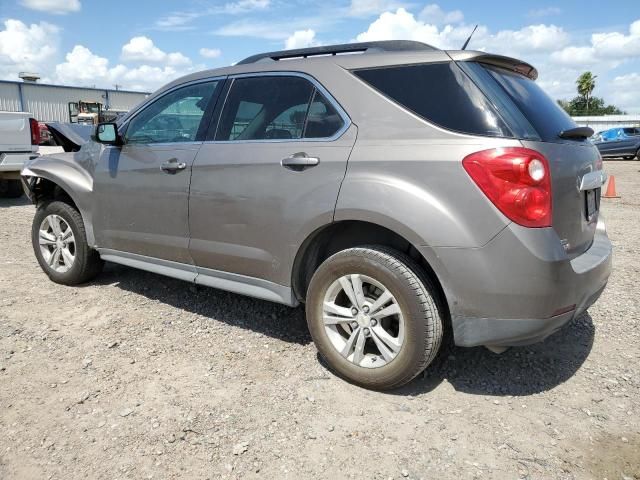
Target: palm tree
586 83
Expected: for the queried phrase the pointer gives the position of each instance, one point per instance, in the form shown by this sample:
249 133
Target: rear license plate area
591 198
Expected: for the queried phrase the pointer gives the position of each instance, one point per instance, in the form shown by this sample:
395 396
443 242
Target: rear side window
440 93
544 114
276 108
323 120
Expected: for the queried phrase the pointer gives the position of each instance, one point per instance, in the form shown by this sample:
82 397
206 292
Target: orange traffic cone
611 189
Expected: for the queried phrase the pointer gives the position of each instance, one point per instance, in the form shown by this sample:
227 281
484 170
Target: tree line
585 103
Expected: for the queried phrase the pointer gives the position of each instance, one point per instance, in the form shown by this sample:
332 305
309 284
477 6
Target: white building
605 122
50 103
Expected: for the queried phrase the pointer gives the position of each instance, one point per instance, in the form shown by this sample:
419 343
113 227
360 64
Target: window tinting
541 111
174 117
440 93
323 120
261 108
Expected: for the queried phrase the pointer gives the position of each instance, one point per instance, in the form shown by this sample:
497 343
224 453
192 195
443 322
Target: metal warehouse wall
605 122
9 97
50 103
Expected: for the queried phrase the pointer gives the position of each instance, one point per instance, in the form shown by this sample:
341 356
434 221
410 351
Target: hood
70 136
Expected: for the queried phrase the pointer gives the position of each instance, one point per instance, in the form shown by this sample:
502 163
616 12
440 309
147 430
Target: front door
270 176
141 188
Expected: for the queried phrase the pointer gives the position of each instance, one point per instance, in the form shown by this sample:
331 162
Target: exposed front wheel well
342 235
45 190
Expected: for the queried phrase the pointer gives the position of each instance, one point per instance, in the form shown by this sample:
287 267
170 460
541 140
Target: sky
143 44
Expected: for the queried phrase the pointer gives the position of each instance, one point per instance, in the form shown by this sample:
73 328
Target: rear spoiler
70 136
508 63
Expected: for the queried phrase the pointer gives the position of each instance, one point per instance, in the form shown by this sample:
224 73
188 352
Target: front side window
173 118
276 108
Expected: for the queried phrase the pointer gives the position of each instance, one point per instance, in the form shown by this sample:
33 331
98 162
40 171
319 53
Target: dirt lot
140 376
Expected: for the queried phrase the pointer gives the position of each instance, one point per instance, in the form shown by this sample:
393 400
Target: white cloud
55 7
250 28
532 38
362 8
27 48
625 92
403 25
82 66
244 6
544 12
179 21
301 39
142 49
210 52
611 47
434 14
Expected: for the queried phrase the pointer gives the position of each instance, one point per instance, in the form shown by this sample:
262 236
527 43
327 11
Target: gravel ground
140 376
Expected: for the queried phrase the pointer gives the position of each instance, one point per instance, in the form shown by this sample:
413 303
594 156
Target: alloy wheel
363 321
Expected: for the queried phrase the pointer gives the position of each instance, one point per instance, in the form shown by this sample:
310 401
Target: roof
35 84
340 49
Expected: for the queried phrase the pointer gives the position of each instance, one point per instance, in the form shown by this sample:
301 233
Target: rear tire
11 189
389 354
60 244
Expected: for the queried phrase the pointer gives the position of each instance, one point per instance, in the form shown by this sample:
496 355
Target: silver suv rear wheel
363 320
373 316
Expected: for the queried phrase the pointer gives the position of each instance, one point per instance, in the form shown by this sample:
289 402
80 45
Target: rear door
141 188
269 175
627 141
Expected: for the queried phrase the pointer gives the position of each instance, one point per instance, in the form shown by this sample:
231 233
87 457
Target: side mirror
107 133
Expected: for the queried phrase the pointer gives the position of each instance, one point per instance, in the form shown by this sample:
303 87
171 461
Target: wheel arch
70 186
343 234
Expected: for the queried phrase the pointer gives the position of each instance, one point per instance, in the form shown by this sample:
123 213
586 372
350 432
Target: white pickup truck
19 139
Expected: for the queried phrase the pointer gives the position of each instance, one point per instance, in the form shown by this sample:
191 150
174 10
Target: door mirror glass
107 133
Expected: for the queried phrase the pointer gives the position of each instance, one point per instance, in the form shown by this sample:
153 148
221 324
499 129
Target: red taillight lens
35 131
516 180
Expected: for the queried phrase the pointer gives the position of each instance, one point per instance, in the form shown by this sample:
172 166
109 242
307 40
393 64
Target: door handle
173 166
299 161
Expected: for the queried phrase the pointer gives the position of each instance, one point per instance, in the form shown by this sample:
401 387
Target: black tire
629 157
415 296
11 189
87 263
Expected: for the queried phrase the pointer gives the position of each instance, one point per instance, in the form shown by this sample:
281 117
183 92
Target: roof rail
383 46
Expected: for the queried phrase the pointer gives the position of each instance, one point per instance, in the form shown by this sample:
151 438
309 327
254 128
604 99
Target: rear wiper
578 132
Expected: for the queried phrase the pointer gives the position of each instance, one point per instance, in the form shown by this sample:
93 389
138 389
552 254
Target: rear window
440 93
545 115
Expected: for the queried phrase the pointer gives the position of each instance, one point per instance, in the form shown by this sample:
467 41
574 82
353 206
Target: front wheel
374 317
60 244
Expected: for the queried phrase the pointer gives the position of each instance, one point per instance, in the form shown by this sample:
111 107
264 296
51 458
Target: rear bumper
13 162
521 287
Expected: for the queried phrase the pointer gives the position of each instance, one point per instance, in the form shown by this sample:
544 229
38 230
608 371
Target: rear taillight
516 180
35 131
